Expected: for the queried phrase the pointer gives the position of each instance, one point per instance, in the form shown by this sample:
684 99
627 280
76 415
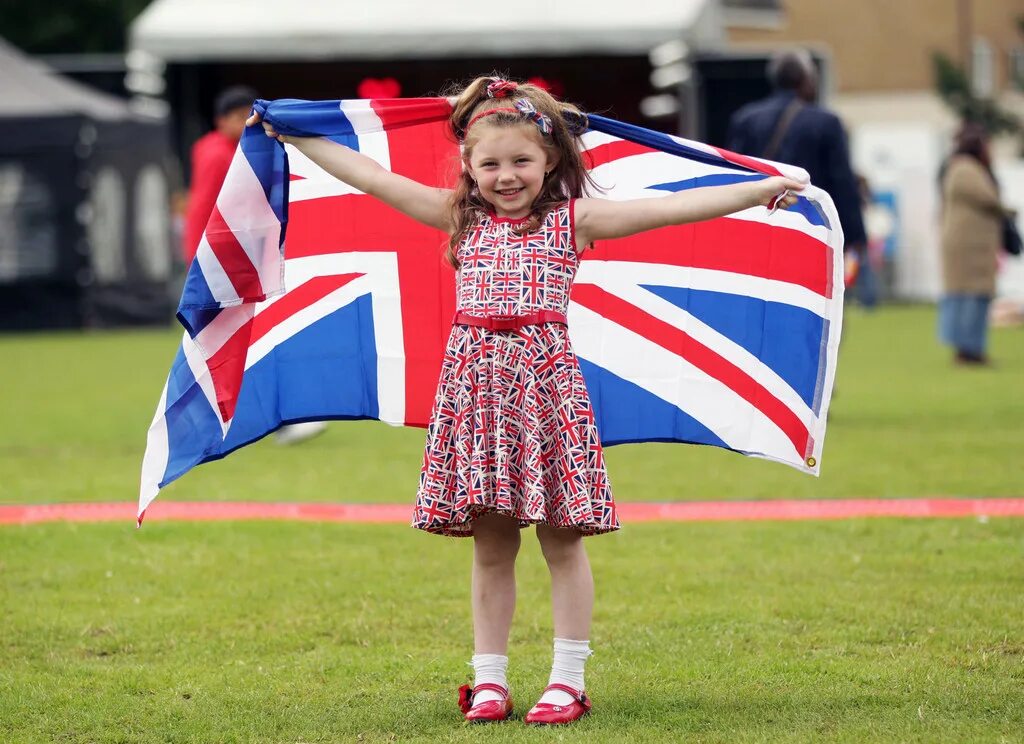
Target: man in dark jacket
789 128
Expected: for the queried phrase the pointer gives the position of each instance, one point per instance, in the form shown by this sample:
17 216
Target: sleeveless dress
512 429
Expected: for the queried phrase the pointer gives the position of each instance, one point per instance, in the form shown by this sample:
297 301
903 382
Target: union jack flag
309 300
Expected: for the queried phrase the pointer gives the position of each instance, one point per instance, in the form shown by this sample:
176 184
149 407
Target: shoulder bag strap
785 120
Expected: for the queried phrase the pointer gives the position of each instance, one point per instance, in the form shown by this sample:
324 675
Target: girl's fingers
268 130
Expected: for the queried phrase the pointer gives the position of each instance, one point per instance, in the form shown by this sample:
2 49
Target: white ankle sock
567 669
489 668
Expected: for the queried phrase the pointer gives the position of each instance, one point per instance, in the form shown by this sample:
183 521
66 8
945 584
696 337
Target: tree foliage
68 26
954 87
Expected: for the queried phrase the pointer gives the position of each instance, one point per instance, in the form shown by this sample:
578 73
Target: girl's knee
559 544
495 538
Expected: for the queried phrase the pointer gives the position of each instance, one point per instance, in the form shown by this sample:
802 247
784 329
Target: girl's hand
767 189
256 118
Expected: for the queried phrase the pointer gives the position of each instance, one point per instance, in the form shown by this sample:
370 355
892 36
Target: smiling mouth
509 192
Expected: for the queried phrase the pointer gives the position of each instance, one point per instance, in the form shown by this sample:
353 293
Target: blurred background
102 101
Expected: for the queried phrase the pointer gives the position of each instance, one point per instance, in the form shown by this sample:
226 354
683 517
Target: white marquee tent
218 30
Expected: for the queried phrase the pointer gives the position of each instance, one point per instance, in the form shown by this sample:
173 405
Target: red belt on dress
509 322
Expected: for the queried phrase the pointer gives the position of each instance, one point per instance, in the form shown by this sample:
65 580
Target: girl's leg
572 585
572 603
496 543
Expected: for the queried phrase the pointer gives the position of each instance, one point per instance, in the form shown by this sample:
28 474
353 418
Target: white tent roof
29 88
196 30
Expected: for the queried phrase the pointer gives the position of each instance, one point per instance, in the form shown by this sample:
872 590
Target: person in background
211 158
971 236
865 283
788 127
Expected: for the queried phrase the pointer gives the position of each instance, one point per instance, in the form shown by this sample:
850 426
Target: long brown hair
569 178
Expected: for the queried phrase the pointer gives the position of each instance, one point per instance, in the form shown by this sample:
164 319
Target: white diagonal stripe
380 280
243 204
670 377
217 280
712 339
595 271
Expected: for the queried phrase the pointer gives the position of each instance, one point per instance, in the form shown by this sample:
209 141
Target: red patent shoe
491 710
550 714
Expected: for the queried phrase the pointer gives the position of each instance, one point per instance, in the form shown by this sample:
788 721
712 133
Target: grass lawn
905 423
858 631
854 631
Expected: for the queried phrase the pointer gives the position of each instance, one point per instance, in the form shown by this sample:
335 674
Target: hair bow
501 89
527 109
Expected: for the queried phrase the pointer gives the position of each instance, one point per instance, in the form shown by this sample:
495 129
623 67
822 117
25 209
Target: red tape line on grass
675 511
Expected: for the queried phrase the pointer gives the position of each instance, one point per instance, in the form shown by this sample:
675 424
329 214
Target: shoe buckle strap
490 687
577 694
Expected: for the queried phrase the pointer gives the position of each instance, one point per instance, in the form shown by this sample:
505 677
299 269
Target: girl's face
508 164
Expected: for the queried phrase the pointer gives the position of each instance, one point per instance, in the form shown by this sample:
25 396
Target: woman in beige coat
972 222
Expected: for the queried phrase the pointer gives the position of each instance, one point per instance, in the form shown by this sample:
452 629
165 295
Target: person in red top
211 157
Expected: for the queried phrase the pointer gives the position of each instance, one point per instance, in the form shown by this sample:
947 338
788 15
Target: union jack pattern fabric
309 300
512 430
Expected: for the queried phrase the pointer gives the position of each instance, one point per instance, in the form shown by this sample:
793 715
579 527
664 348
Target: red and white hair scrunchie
502 89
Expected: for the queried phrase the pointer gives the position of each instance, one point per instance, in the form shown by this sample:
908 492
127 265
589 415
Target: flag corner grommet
811 462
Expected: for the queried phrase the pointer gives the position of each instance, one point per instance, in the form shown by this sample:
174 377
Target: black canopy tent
84 204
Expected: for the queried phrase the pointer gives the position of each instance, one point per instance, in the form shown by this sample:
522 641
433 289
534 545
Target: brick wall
886 45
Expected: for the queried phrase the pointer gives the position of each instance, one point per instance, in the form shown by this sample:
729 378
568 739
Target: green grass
855 631
871 630
905 423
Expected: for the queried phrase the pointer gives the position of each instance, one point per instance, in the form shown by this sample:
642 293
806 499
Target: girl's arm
602 219
423 203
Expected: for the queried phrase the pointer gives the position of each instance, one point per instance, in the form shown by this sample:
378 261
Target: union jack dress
512 429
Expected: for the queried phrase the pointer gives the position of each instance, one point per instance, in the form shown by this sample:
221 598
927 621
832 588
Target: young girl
512 440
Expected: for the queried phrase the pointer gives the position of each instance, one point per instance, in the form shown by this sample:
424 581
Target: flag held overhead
309 300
